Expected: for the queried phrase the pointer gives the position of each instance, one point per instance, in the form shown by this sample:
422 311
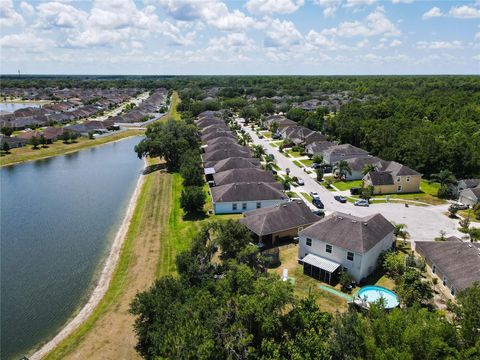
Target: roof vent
365 223
340 218
470 245
284 205
354 221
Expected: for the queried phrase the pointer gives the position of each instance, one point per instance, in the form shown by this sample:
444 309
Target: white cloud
376 23
28 42
281 34
432 13
319 40
273 6
119 14
402 1
395 43
27 9
439 45
465 12
213 12
8 16
355 3
329 6
55 14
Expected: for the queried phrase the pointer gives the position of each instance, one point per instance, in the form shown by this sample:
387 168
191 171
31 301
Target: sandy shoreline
104 280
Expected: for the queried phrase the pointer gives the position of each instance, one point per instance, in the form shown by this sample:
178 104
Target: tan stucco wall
411 186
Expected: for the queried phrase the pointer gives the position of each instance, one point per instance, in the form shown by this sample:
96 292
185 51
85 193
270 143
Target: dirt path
112 335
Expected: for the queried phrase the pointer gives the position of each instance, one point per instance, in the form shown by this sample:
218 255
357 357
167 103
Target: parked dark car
276 136
340 198
327 169
318 203
355 190
315 166
320 213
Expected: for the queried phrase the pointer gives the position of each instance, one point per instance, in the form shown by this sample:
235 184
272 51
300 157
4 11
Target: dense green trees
228 306
169 140
193 199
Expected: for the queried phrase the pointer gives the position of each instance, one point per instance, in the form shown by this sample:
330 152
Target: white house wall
227 207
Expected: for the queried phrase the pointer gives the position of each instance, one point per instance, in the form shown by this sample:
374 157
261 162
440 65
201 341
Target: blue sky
240 37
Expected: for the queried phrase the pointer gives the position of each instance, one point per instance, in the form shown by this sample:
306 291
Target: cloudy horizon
255 37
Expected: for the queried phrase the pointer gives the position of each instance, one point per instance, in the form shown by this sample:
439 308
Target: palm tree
445 178
368 168
400 231
342 168
258 151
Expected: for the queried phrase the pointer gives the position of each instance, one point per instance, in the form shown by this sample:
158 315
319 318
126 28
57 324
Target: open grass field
347 185
172 112
26 153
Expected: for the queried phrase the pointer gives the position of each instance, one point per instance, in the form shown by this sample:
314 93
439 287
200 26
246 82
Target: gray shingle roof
350 232
279 218
380 178
236 163
225 154
216 134
358 163
320 146
221 139
242 175
396 169
458 261
345 149
247 192
223 146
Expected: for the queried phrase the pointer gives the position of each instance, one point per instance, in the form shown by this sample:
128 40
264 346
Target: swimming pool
372 294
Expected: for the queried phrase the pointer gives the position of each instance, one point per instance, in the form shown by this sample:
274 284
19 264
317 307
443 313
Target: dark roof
396 169
278 218
242 175
350 232
224 154
223 146
236 163
458 261
358 163
247 192
221 139
380 178
214 128
346 149
11 140
471 183
320 146
214 135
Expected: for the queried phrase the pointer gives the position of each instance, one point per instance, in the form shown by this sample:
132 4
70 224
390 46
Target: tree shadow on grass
196 216
152 168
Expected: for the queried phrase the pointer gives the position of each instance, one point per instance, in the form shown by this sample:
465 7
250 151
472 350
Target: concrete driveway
423 222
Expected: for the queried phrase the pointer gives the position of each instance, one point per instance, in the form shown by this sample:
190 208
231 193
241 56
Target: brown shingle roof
225 154
279 218
350 232
236 163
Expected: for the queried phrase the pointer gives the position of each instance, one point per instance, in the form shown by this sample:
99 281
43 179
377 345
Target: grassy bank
26 153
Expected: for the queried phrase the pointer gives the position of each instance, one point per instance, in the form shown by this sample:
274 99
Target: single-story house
282 121
217 134
342 242
214 127
337 153
392 177
455 263
230 163
225 154
241 197
223 146
470 197
221 139
242 175
13 142
358 164
52 133
279 222
464 184
318 147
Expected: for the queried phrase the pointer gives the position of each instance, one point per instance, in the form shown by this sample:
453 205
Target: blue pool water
374 293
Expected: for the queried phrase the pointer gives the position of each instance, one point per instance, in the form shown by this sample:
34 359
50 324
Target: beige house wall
412 186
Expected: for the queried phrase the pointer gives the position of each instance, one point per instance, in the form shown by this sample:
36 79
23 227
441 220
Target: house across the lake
342 242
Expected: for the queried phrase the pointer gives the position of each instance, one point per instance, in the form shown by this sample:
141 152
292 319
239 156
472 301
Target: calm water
58 217
11 107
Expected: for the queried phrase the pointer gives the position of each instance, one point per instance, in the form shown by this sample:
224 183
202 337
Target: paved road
423 222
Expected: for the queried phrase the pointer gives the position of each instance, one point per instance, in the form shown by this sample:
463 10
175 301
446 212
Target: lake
58 217
11 107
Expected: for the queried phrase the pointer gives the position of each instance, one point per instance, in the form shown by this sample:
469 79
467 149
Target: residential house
222 146
225 154
241 197
463 185
13 142
358 164
470 197
279 222
342 242
216 134
282 121
392 177
52 133
242 175
337 153
318 147
230 163
455 263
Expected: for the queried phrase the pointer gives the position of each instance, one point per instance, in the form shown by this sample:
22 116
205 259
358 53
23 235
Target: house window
434 269
350 256
234 207
309 242
398 178
399 188
244 206
328 248
259 205
444 281
408 178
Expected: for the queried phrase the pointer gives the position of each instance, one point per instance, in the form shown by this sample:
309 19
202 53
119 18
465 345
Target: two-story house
392 177
342 242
